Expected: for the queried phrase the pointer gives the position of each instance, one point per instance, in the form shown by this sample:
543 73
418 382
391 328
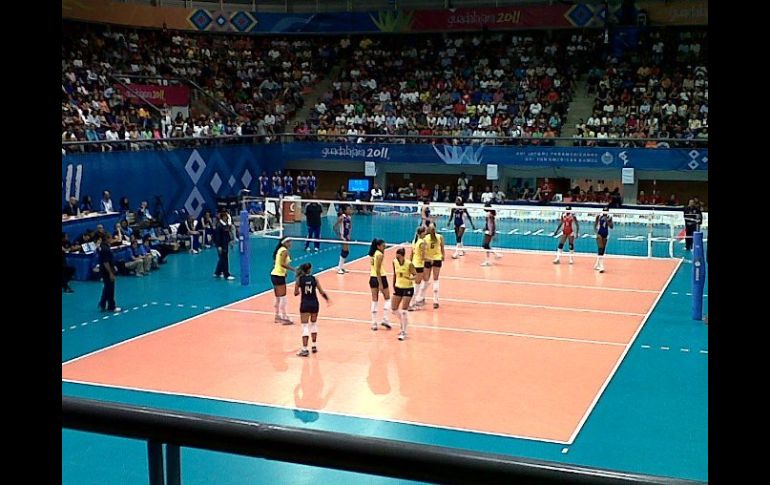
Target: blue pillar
698 276
244 245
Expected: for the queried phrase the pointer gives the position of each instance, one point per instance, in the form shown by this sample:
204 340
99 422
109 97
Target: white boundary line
537 283
524 305
225 307
294 408
192 318
623 356
451 329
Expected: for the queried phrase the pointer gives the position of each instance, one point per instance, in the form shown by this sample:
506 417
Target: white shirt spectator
269 119
376 194
487 197
321 107
462 183
535 108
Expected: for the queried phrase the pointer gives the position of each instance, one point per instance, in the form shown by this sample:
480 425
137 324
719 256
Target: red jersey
566 221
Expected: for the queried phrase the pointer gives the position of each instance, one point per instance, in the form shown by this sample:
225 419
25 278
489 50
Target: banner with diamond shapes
580 15
194 178
186 178
661 159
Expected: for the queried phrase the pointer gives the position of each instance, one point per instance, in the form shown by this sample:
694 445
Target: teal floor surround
652 418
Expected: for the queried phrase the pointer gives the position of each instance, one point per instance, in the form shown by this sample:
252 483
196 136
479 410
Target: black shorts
278 280
403 291
373 282
419 270
309 307
433 264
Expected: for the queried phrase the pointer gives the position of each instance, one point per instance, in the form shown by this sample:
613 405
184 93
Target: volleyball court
521 348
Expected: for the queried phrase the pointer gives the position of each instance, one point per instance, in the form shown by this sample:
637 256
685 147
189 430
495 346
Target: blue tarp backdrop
194 178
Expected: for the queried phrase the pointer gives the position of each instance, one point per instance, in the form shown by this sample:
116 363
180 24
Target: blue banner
568 157
190 179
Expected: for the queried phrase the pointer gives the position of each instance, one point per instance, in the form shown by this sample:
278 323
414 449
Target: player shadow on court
279 358
379 358
308 394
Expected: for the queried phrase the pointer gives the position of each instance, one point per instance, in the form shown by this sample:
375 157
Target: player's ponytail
304 269
419 233
373 248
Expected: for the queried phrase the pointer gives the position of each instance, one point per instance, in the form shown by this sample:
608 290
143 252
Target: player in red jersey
565 223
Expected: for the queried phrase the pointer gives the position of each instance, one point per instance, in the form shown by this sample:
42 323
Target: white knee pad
305 330
314 327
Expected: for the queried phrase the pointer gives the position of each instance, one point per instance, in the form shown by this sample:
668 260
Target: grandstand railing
181 142
374 456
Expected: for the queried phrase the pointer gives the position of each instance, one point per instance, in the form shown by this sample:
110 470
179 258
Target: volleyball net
643 233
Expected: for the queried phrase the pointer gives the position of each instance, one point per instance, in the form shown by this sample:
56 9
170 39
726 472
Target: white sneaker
498 256
462 253
374 326
401 335
230 278
601 269
340 271
307 250
316 249
454 256
570 261
556 261
486 263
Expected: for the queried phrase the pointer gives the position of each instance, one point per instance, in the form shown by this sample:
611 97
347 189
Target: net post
649 237
698 276
244 244
280 216
671 238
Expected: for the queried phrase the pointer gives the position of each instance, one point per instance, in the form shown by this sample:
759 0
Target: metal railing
170 143
374 456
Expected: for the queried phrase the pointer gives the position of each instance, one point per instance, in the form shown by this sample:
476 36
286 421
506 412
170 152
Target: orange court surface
523 348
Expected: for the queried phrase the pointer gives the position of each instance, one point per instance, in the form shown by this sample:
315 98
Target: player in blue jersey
264 184
343 228
602 227
427 220
312 184
458 215
306 285
288 184
301 184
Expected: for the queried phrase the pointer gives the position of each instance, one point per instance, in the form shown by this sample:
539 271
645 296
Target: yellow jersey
417 256
278 269
373 261
403 274
433 249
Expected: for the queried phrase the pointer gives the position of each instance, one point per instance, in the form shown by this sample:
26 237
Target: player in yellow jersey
434 257
281 260
403 288
378 282
418 260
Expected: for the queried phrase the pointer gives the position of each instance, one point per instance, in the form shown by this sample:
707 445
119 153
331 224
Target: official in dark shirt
313 213
107 270
222 240
692 221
